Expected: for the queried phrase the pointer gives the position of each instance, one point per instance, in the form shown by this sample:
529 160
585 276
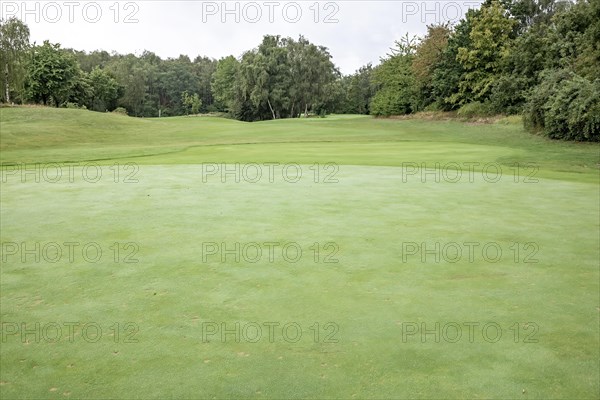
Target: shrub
574 113
120 110
564 106
211 108
74 106
508 95
390 101
474 109
433 107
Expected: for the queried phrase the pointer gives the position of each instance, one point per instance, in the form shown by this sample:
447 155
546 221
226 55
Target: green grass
375 288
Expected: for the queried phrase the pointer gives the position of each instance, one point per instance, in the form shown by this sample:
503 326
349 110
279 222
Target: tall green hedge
565 106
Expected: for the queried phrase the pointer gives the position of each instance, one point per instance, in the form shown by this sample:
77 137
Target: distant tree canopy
281 78
539 58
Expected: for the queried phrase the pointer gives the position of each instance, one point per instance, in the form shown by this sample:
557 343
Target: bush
565 106
74 106
509 95
211 108
389 101
574 113
474 109
433 107
120 110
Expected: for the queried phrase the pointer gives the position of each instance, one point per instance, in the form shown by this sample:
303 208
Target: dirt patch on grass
452 116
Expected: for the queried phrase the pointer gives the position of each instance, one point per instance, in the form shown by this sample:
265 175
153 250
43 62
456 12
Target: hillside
41 134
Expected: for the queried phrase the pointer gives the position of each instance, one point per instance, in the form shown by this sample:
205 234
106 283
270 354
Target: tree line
538 58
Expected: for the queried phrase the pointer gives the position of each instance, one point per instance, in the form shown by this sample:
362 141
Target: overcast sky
356 32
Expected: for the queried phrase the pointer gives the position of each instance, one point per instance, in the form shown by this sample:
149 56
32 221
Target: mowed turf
369 272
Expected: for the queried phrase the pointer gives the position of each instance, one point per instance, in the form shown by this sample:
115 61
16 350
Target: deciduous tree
14 43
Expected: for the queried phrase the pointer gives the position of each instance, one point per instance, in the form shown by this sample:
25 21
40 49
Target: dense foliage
539 58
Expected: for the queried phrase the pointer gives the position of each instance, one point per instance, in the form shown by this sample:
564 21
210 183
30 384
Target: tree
529 13
81 91
89 61
135 76
588 60
105 90
191 103
51 74
491 38
575 39
14 43
266 75
174 77
311 73
203 69
223 83
565 103
360 90
396 94
428 55
448 73
281 78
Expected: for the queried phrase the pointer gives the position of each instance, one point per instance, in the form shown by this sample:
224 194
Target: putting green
343 300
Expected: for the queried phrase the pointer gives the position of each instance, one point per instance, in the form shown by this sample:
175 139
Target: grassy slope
369 293
45 134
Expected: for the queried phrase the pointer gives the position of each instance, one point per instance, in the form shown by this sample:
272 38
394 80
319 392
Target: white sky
356 32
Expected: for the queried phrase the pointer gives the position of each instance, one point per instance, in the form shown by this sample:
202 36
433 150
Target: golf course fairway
339 257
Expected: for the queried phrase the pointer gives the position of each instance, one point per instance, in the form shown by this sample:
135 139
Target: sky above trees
355 32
